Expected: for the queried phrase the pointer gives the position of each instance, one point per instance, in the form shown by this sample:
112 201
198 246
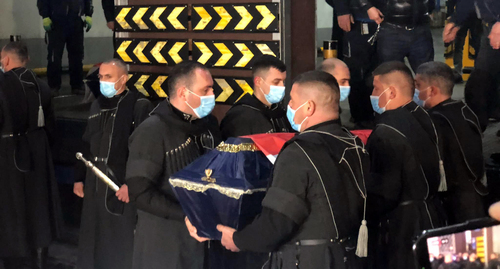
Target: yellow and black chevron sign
232 54
227 90
151 18
236 18
150 85
155 51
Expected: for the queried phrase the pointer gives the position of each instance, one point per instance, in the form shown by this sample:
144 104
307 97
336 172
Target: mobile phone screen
473 248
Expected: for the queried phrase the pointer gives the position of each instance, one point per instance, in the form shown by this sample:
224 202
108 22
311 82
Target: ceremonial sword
97 172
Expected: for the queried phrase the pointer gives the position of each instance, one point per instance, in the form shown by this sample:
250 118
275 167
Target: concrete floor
63 255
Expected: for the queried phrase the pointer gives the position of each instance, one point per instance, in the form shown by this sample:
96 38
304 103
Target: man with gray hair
460 140
108 220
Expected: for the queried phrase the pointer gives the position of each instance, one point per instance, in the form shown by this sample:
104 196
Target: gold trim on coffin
231 148
199 187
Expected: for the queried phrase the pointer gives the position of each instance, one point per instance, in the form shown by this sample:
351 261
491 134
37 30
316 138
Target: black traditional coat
165 143
107 227
29 204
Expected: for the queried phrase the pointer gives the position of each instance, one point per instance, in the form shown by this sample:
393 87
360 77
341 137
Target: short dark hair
323 82
438 74
19 49
265 62
182 73
392 67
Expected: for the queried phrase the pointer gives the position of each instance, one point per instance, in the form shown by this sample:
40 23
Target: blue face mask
344 92
207 104
417 100
375 99
108 88
275 95
290 114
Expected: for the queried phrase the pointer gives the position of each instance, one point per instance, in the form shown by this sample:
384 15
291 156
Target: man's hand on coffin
193 232
122 194
78 189
227 238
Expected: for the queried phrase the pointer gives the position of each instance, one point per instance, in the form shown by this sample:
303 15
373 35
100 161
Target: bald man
359 97
314 206
108 220
405 173
460 138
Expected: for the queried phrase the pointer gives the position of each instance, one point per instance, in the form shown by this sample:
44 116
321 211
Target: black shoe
457 77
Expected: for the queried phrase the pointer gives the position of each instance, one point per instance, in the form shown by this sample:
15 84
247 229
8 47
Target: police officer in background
359 54
62 20
484 82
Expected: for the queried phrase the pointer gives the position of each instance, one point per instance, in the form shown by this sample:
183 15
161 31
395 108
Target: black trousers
361 58
481 91
65 32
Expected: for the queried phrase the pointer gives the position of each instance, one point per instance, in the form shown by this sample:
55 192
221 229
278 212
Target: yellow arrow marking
247 55
226 90
138 18
172 18
156 52
139 85
264 48
205 18
206 53
155 18
267 19
245 87
246 17
226 54
157 86
225 18
138 51
120 18
122 51
174 51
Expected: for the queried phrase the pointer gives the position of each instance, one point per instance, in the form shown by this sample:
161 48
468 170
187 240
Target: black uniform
481 91
165 143
461 145
404 184
250 116
67 30
107 228
108 7
29 204
314 206
360 56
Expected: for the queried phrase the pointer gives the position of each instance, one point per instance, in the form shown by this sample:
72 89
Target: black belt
317 242
18 134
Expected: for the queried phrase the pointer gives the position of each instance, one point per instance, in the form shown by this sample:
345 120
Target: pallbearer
461 142
178 131
260 112
314 207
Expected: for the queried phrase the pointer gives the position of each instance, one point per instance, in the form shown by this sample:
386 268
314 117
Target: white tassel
442 185
362 248
41 117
